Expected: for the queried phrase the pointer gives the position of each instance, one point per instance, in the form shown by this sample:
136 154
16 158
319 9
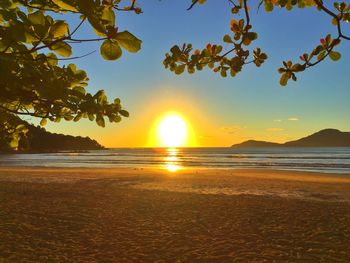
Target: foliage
11 131
33 42
234 59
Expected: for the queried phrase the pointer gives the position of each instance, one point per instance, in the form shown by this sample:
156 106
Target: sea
328 160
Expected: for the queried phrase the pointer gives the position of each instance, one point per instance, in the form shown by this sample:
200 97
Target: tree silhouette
32 42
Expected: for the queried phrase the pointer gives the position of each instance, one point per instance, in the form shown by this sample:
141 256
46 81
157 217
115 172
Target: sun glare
172 131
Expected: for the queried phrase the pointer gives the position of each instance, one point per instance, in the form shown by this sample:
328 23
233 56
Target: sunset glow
172 131
172 161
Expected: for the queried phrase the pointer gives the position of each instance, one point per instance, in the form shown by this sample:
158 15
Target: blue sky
251 105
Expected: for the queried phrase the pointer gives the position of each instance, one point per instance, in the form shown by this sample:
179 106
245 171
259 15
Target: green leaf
268 6
124 113
108 16
37 18
78 117
14 143
110 50
80 90
284 79
298 67
252 36
321 55
223 73
59 29
64 4
97 26
227 39
43 122
128 41
91 116
52 59
334 55
115 118
180 69
62 49
100 120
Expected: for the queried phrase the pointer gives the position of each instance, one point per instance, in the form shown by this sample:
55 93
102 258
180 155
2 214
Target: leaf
252 35
108 16
284 79
68 117
180 69
14 143
37 18
43 122
59 29
124 113
80 90
100 120
62 49
128 41
334 55
321 55
64 4
97 26
91 116
223 73
268 6
115 118
298 67
78 117
52 59
110 50
227 39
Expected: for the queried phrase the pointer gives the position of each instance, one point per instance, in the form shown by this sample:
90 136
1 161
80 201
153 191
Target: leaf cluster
32 44
213 56
233 60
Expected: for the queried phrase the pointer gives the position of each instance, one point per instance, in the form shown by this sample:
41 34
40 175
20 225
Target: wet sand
143 215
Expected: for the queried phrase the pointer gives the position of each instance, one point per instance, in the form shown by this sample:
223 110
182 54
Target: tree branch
329 12
192 5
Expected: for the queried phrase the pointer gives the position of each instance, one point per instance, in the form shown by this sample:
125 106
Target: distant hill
253 143
40 140
323 138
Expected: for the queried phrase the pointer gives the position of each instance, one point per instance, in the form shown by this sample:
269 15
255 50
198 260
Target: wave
330 159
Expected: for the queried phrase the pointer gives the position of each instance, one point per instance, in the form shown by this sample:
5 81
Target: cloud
231 129
274 129
277 120
293 119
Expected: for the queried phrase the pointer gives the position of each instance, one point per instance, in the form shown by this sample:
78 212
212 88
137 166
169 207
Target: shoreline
256 182
147 215
182 170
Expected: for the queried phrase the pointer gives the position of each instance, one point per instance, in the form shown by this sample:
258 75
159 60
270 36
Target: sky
220 112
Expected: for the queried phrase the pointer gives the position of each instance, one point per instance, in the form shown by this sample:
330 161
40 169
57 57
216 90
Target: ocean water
335 160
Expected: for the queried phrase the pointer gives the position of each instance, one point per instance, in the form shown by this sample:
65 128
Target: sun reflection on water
171 161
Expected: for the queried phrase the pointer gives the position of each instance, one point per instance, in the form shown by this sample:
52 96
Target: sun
172 131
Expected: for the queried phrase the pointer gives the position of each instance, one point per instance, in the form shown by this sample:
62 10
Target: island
40 140
323 138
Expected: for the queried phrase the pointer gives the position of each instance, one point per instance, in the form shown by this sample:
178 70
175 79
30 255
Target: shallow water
335 160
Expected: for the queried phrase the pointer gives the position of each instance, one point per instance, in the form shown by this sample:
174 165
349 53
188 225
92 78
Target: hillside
40 140
254 143
323 138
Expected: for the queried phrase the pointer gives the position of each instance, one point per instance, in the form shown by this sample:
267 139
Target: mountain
323 138
40 140
253 143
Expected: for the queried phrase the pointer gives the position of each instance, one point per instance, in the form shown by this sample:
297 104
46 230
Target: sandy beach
199 215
